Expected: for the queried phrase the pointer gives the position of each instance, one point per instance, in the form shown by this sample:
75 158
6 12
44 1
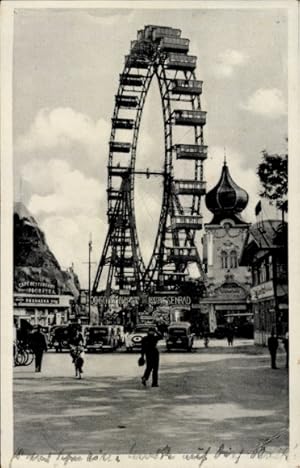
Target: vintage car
61 335
133 340
100 338
179 336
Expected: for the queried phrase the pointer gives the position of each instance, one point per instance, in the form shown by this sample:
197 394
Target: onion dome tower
226 200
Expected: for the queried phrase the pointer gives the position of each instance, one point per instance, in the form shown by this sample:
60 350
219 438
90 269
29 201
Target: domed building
226 199
227 300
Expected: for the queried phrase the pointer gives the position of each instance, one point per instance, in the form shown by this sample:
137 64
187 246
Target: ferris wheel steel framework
121 252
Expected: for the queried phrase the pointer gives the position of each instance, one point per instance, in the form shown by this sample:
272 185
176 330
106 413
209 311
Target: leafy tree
273 174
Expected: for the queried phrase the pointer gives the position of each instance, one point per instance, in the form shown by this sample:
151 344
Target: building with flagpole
228 288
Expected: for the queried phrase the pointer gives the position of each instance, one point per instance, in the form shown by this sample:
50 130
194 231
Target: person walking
77 354
38 345
77 338
229 336
273 345
76 346
151 353
206 339
286 347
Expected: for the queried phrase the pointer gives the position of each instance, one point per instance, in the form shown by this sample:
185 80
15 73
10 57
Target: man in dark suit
150 351
286 347
273 345
38 345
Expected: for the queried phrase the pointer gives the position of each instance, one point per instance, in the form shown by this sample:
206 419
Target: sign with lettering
262 291
36 287
170 300
124 301
35 300
230 291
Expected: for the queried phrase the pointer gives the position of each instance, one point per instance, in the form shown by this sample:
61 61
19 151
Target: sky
66 72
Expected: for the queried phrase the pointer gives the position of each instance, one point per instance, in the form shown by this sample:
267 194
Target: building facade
265 252
228 283
40 303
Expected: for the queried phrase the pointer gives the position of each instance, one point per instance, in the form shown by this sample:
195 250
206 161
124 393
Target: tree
273 174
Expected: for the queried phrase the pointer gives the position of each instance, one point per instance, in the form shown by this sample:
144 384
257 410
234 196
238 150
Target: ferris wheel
158 52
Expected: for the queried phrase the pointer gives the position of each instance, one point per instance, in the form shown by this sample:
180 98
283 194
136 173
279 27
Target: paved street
205 398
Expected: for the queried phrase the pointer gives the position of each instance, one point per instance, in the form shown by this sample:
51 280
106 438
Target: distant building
265 252
227 298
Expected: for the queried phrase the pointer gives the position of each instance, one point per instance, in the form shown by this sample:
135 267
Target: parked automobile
100 338
133 340
179 336
61 335
59 338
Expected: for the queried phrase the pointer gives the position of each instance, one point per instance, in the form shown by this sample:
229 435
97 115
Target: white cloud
68 238
266 102
69 211
72 192
227 61
63 129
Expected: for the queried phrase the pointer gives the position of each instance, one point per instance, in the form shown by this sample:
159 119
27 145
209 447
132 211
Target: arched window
224 259
233 259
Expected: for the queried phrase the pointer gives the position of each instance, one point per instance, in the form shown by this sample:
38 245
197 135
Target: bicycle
23 355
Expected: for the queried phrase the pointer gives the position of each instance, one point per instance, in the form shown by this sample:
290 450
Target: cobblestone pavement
206 398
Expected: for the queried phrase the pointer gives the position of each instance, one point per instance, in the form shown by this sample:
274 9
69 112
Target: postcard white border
7 7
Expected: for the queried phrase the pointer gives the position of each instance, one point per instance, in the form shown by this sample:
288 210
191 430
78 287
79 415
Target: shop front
270 310
40 304
229 304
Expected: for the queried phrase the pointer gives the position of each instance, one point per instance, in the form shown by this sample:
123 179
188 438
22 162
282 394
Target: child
77 354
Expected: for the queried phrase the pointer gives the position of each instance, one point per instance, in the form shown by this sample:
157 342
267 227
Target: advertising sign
35 287
26 300
170 300
262 291
230 291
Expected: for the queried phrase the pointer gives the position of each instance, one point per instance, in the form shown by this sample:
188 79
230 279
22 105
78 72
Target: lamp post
89 276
